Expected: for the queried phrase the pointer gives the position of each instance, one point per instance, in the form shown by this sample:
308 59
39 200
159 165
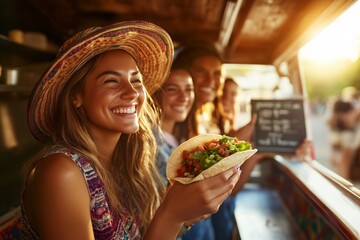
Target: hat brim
149 45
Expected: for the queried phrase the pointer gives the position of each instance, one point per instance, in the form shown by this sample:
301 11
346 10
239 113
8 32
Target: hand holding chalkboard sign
280 125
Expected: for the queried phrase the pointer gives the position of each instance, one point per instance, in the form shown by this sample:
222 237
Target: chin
130 130
180 118
207 99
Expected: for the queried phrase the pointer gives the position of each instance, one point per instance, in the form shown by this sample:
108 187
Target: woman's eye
170 89
136 82
190 89
200 72
110 80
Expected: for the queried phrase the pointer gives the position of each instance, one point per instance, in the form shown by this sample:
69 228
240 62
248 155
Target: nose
225 97
128 92
184 96
213 80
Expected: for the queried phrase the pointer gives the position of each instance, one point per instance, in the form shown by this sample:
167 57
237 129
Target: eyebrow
116 73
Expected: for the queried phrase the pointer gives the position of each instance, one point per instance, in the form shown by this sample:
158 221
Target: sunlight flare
339 41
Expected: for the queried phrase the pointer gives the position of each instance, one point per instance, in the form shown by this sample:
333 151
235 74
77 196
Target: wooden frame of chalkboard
280 126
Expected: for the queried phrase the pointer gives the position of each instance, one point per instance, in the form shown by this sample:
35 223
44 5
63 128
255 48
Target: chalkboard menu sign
280 125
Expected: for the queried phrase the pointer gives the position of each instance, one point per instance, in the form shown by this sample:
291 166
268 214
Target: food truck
286 197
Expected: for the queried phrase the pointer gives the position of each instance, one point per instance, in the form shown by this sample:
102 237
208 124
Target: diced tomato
213 144
200 148
226 153
185 154
197 166
221 152
181 171
189 163
235 140
223 146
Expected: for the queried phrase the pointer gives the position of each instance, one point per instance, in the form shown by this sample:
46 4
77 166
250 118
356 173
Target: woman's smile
124 110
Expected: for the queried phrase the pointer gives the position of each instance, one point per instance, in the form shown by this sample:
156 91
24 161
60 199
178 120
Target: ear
77 102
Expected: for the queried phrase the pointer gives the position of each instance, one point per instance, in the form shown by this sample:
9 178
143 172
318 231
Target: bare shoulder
56 189
56 174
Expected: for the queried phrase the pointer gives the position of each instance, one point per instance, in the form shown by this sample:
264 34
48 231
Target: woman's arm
57 200
187 202
246 132
246 168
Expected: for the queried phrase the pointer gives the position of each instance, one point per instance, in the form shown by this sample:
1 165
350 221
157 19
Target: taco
206 155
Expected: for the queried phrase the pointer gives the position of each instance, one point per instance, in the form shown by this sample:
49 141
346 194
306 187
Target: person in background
344 126
204 64
174 98
351 94
97 177
227 106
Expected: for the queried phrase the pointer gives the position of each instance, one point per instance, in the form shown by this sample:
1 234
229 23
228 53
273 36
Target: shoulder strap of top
91 177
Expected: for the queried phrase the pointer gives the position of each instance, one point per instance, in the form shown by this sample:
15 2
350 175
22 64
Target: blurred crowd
343 121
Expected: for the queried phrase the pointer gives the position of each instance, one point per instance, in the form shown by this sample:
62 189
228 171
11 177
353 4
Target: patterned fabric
106 223
11 233
10 227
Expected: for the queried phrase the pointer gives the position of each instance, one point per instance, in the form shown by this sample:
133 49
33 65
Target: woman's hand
304 150
191 202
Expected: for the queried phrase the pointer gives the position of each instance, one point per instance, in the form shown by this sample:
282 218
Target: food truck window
257 82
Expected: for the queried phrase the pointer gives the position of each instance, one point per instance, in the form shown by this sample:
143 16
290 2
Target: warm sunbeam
339 41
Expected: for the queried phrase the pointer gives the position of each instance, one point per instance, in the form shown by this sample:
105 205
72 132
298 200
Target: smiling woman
97 175
257 43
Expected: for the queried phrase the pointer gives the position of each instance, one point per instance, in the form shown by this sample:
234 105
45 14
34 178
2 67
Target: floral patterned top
106 223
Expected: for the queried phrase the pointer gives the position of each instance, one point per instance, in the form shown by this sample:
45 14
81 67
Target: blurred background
331 63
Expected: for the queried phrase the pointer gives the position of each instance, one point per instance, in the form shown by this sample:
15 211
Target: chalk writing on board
280 125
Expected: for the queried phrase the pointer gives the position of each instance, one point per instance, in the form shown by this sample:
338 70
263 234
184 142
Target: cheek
170 98
225 97
192 99
98 97
217 83
165 99
198 82
142 97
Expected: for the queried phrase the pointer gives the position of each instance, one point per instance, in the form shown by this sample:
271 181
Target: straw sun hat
149 45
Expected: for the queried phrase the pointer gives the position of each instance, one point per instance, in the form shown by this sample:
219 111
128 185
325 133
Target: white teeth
179 108
208 90
124 110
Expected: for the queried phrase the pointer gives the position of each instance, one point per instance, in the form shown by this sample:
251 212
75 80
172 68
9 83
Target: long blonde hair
132 183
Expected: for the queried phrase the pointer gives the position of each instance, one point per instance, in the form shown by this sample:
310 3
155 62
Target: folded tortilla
175 159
